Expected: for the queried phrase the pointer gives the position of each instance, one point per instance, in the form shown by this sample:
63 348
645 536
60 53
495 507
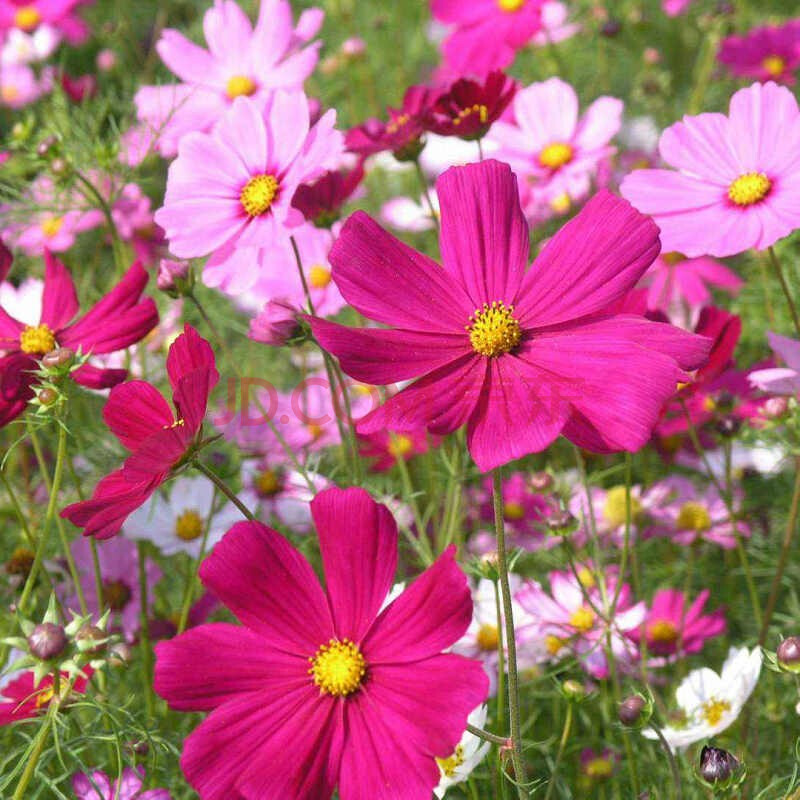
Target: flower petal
135 411
59 301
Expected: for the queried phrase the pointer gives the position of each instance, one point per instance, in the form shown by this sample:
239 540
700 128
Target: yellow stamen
582 619
394 125
510 5
189 526
599 768
693 516
513 511
774 65
663 631
478 109
51 226
615 507
448 766
267 483
400 445
586 578
258 194
44 697
555 155
37 340
713 711
488 637
493 330
240 86
561 203
314 430
338 668
319 277
553 644
749 189
27 18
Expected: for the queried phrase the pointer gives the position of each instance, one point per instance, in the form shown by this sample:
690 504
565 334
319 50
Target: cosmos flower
318 688
117 321
469 752
20 47
519 357
19 85
780 380
771 52
158 438
241 61
130 786
29 15
321 202
21 699
406 214
384 448
711 702
736 178
555 24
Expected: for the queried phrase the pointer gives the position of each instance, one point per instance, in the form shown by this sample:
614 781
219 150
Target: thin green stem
486 736
511 643
225 489
562 745
673 764
39 743
423 182
787 293
144 633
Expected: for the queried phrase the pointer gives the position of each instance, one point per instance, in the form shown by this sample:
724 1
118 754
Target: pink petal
242 133
484 235
270 587
699 146
59 300
547 112
187 353
600 123
788 349
190 62
97 378
227 30
661 191
135 411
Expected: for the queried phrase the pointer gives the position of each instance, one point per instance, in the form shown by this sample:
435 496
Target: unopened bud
630 710
573 689
717 765
172 276
611 28
91 640
541 481
728 426
775 407
47 396
120 655
276 325
789 654
47 641
59 166
560 520
44 147
59 357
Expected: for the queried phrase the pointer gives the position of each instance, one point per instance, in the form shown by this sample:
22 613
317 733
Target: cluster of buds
54 368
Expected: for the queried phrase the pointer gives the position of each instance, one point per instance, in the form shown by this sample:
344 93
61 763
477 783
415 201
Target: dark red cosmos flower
140 417
117 321
321 202
20 699
469 107
402 134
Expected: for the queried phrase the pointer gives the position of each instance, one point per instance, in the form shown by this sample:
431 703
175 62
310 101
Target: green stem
704 70
225 489
562 745
486 736
144 633
511 643
673 764
778 270
39 743
188 593
423 182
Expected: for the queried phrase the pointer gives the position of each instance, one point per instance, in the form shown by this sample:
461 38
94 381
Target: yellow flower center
267 483
673 258
553 644
615 507
493 330
774 65
51 226
663 631
694 516
44 697
258 193
448 766
395 124
488 637
555 155
314 430
513 511
27 18
510 5
582 619
239 86
586 578
400 445
319 277
750 188
9 93
599 768
561 203
478 109
189 526
116 595
37 340
713 711
338 668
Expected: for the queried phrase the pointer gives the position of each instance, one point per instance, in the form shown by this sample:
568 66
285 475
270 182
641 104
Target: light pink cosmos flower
20 47
771 52
555 25
241 61
29 15
550 145
19 85
672 8
130 786
736 179
230 192
780 380
517 355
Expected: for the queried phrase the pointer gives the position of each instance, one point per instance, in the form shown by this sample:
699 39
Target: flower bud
120 655
59 166
717 765
276 325
91 640
45 146
174 277
47 641
106 60
775 407
630 710
354 47
611 28
574 690
60 357
651 56
560 520
789 654
47 396
541 481
728 426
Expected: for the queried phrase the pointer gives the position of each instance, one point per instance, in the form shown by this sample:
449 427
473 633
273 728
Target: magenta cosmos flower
159 440
117 321
241 61
487 33
230 192
130 786
29 15
518 356
736 179
320 688
768 53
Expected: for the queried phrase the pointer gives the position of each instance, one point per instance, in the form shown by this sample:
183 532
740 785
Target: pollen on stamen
338 668
774 65
749 189
240 86
37 340
493 329
480 110
258 194
556 155
27 18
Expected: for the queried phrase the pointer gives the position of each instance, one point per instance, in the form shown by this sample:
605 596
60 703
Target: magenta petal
440 401
191 397
484 236
388 281
157 454
188 352
429 616
270 587
59 301
380 357
592 262
358 541
405 717
97 378
208 665
135 411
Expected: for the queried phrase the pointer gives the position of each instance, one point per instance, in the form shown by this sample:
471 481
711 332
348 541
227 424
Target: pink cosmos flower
609 512
230 192
672 8
780 380
159 440
771 52
320 688
19 85
736 178
29 15
384 448
241 61
119 569
98 786
519 357
555 24
20 699
133 218
117 321
671 629
554 149
487 33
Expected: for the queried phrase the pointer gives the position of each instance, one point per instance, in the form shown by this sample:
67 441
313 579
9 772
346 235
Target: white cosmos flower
177 525
469 752
711 702
405 214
